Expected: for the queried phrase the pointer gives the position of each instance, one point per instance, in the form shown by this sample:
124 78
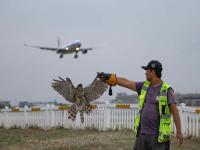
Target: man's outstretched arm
126 83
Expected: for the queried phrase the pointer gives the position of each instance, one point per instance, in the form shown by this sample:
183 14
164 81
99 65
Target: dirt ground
65 139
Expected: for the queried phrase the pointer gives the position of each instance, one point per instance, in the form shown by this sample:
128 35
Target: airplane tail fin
58 41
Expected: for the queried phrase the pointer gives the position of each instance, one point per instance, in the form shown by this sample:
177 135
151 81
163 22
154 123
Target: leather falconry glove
108 78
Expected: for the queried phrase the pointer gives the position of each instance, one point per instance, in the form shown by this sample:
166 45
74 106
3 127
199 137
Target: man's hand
179 138
110 79
177 122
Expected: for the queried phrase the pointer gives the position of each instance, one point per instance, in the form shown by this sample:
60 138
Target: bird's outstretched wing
95 89
64 88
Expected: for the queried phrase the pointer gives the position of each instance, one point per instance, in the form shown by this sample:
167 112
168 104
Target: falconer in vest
157 105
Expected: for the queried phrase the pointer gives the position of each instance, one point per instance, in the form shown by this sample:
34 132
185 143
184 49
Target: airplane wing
85 49
47 48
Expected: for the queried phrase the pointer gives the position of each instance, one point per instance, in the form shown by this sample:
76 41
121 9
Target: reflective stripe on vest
165 127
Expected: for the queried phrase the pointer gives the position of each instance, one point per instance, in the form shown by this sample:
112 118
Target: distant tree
25 103
3 104
55 102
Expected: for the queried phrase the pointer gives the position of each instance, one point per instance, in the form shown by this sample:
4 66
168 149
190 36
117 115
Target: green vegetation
65 139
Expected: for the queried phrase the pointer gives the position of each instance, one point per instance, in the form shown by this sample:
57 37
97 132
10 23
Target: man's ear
153 71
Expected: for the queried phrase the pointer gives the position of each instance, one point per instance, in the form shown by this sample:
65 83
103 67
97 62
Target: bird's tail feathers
72 112
82 116
88 108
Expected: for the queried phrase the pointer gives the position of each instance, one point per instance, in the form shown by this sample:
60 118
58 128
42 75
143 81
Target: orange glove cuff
112 80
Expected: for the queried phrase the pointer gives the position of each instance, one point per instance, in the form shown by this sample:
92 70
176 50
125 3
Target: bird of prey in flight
79 96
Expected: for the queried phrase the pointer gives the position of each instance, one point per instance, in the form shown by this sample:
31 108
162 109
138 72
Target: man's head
153 69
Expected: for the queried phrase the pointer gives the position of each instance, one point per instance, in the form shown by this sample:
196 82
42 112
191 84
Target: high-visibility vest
165 128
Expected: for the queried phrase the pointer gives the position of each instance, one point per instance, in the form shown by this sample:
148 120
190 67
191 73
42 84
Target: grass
65 139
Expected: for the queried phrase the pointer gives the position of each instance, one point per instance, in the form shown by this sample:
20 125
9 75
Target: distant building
36 103
25 103
189 99
125 99
98 102
3 104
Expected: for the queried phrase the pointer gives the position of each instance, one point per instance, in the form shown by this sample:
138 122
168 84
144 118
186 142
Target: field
65 139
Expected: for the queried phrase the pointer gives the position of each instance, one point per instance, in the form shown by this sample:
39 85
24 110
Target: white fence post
182 118
77 121
25 116
47 122
65 119
6 119
107 115
52 116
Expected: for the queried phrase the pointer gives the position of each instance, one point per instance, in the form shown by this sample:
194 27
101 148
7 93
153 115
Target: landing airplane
73 47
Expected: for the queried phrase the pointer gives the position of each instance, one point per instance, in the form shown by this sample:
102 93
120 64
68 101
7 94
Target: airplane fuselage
73 47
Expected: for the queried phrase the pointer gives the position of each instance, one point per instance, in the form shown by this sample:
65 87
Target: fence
103 117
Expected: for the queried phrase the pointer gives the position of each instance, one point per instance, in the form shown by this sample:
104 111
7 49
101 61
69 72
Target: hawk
80 96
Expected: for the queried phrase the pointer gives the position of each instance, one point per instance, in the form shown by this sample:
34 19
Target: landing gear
76 55
61 56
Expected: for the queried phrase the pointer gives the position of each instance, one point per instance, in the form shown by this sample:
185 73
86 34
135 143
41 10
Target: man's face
149 74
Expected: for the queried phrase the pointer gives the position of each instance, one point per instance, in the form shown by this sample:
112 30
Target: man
157 102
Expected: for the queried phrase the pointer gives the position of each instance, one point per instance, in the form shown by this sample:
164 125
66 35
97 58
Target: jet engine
76 55
58 51
84 51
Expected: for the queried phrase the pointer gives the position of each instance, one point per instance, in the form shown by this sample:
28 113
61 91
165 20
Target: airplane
73 47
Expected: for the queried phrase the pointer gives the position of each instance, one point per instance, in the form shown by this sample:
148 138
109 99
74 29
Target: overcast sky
125 34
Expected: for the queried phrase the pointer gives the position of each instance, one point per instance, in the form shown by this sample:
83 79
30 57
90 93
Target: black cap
154 65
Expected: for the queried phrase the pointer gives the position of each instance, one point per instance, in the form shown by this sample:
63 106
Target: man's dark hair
158 73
